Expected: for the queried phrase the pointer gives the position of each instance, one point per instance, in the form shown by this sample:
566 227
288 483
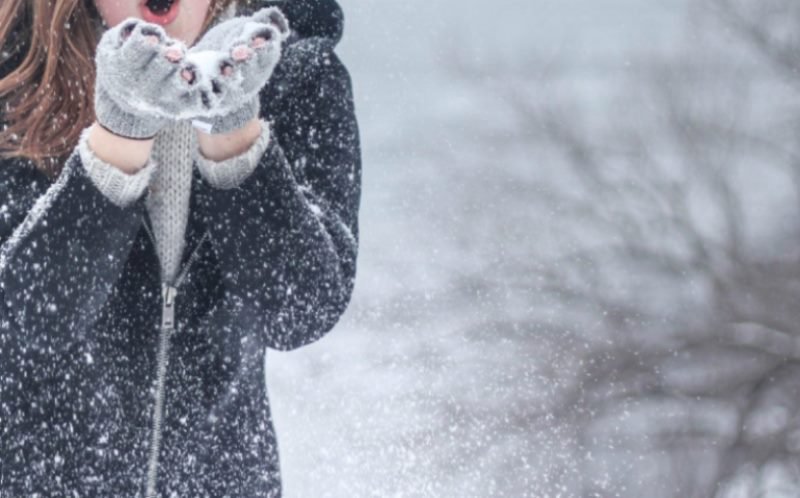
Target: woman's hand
231 63
140 84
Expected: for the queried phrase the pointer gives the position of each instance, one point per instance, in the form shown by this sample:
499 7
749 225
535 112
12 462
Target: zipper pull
168 294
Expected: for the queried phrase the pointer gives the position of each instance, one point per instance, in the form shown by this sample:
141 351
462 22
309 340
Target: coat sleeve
287 235
63 247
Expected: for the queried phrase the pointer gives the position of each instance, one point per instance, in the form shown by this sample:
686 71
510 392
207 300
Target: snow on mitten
231 63
139 87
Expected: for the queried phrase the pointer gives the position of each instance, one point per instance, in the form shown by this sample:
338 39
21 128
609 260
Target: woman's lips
161 18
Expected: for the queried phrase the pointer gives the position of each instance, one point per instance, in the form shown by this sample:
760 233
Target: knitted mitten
231 63
139 87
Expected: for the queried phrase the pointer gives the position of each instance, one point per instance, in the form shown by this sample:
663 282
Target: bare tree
665 260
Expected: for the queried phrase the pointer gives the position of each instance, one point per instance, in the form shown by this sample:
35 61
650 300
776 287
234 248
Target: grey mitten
230 65
139 87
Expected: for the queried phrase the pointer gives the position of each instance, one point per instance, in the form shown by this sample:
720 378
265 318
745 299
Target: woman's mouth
160 12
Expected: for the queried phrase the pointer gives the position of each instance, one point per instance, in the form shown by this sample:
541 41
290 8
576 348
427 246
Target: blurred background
579 269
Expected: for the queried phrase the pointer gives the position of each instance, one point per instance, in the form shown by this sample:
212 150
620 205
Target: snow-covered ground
428 385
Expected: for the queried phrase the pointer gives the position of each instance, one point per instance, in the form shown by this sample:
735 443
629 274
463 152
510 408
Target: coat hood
308 18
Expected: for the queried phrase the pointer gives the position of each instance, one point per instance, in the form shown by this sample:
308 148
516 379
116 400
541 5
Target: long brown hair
47 99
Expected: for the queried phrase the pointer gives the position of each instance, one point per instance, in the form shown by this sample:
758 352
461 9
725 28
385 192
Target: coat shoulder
20 175
306 60
20 185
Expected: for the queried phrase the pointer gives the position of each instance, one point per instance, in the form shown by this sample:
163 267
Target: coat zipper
167 322
169 294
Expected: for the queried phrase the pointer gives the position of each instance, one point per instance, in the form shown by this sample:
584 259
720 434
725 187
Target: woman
179 191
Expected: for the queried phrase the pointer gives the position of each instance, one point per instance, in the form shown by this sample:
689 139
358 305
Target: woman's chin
182 36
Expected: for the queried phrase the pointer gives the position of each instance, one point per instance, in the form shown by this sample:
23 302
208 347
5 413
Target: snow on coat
273 266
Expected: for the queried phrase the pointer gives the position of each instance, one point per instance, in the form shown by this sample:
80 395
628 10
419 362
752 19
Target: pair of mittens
145 79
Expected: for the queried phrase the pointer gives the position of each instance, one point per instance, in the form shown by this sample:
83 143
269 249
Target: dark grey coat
81 301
